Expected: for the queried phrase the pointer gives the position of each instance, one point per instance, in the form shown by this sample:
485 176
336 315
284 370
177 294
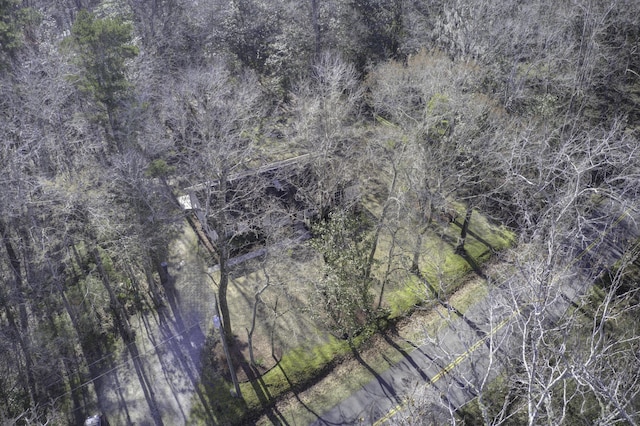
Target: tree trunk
221 242
17 298
227 354
154 288
118 310
415 261
463 231
387 273
381 220
222 290
253 320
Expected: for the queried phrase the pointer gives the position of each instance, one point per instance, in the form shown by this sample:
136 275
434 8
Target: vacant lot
176 373
290 349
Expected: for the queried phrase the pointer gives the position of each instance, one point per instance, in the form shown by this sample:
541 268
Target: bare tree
322 111
213 120
444 130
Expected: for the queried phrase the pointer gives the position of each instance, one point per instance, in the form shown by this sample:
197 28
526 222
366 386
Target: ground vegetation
342 163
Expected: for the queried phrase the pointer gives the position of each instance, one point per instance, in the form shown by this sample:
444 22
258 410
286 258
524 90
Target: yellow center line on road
393 411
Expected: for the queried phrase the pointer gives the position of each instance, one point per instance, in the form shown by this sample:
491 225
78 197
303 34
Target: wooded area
523 113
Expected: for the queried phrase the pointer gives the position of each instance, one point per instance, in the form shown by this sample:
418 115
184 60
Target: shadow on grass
261 389
476 236
418 273
295 393
216 405
271 411
389 391
472 262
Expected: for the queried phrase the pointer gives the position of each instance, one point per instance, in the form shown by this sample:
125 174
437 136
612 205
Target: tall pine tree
101 48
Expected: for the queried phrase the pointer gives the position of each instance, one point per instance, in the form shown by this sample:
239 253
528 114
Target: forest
313 173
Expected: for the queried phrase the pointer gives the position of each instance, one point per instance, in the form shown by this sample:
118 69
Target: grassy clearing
442 268
379 355
307 356
295 368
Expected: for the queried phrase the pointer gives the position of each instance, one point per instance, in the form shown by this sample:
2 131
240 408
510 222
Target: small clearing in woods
283 280
379 353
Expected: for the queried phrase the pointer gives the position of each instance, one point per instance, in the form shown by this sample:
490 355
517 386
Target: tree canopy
101 48
391 133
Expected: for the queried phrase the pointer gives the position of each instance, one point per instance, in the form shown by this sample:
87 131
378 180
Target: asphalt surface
449 366
447 370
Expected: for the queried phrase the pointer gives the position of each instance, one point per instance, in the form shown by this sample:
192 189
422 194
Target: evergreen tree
102 47
13 19
345 293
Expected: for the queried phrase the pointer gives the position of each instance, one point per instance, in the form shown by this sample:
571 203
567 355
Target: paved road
451 364
448 368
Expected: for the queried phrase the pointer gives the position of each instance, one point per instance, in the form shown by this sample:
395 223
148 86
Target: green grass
303 365
214 404
403 300
447 274
378 360
294 369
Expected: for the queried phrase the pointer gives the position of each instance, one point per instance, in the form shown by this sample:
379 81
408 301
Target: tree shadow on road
445 303
404 353
472 325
